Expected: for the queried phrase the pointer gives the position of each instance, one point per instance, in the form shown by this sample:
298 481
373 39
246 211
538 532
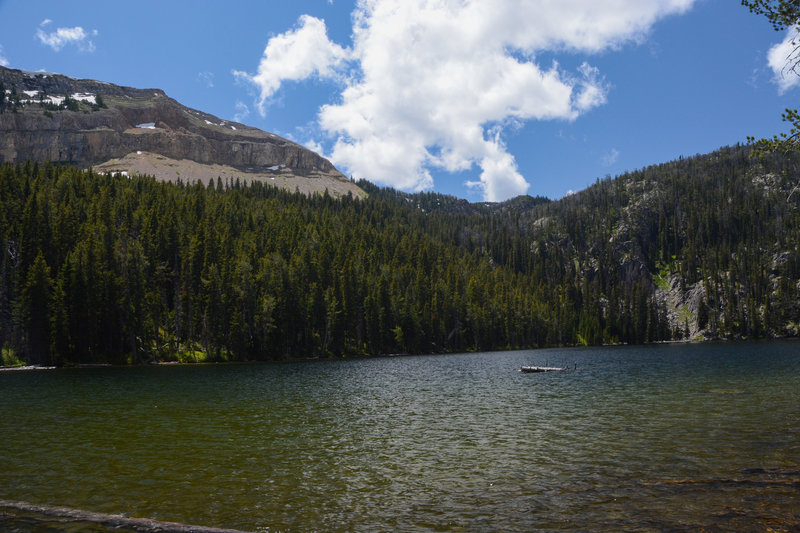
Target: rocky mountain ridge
88 123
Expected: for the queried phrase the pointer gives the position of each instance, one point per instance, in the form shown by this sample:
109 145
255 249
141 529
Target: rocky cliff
51 117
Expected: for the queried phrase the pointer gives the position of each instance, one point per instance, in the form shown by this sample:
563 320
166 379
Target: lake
668 437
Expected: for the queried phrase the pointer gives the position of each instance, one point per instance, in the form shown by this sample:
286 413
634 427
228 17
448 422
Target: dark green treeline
98 268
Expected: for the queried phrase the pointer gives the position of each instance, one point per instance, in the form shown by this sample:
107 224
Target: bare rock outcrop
51 117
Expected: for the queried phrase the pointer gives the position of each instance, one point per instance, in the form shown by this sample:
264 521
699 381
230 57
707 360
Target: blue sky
479 99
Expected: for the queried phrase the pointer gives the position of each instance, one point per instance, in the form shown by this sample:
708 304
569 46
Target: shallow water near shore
678 437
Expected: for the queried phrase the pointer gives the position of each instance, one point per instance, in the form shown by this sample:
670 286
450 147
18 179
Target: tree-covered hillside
98 268
712 239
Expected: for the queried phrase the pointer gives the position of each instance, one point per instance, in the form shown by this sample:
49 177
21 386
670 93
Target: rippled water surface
679 437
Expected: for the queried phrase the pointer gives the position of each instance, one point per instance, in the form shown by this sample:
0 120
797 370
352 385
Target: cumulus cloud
433 84
61 37
295 55
782 57
3 60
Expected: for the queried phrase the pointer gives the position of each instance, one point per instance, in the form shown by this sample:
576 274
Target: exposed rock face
105 122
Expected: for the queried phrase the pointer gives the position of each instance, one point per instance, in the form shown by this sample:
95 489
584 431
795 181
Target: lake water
674 437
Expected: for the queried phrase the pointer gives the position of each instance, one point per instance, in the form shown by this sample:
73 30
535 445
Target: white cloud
295 55
242 112
314 146
611 157
593 89
62 37
206 78
782 57
3 60
433 84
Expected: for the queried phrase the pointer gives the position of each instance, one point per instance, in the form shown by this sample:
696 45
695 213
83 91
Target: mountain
100 267
704 247
87 123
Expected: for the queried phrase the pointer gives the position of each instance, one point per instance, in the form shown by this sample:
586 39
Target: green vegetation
8 357
13 102
782 14
9 99
98 268
661 276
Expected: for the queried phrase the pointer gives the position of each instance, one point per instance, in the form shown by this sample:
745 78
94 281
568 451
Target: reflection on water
677 437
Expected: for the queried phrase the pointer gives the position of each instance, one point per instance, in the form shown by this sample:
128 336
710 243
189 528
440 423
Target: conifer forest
100 268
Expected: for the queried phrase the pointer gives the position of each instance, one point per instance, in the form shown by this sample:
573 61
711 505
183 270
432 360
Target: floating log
530 369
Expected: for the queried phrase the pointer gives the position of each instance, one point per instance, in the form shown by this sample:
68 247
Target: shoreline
377 356
67 515
25 367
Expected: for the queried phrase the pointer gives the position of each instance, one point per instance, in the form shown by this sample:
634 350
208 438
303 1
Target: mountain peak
89 123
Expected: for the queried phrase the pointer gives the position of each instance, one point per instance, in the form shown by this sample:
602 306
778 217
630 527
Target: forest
100 268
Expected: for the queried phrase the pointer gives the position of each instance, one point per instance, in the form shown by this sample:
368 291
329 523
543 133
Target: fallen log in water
536 369
143 525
